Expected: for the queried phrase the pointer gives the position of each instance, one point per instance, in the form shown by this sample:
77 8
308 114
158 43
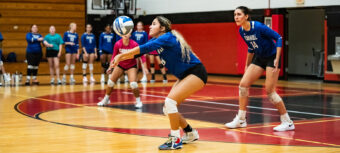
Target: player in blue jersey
180 60
106 43
263 56
141 37
71 40
33 54
89 47
3 74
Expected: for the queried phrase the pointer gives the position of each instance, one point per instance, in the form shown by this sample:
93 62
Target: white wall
186 6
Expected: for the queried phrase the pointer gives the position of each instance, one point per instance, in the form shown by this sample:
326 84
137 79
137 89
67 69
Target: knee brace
152 65
274 98
84 65
133 85
66 67
110 83
90 67
243 91
170 106
72 66
161 66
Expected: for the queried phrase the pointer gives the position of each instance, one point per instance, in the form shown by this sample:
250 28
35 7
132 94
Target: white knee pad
30 66
72 66
274 98
243 91
90 67
170 106
1 63
84 66
35 67
66 67
110 83
133 85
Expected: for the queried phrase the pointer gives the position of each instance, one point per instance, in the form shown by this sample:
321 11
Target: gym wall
17 16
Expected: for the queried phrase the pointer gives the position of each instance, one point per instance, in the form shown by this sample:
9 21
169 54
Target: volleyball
123 25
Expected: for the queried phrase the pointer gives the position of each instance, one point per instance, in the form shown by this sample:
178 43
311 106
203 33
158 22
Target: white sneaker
102 79
85 79
165 81
7 78
126 79
104 102
92 80
52 82
284 126
59 82
139 105
152 81
189 137
236 123
144 79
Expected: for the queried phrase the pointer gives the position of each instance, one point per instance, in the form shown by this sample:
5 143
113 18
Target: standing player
130 66
2 68
152 57
53 43
33 54
141 37
106 43
181 61
71 40
88 42
263 56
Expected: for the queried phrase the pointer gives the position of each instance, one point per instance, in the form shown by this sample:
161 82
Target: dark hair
164 22
245 10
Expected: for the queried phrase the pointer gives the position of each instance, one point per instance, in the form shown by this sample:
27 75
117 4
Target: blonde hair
72 23
185 47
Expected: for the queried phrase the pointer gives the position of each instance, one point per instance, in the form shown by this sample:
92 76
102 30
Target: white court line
235 105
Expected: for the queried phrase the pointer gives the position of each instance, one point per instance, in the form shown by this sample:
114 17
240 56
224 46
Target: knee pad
152 65
29 66
90 67
161 66
170 106
84 65
35 67
110 83
72 66
243 91
133 85
274 98
1 63
66 67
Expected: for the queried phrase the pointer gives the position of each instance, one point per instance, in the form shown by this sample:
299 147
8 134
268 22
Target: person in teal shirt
53 43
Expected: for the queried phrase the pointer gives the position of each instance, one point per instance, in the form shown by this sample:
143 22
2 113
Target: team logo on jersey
90 38
72 37
250 37
160 50
108 38
138 36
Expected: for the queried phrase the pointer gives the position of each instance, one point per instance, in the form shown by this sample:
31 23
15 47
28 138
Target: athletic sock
242 114
187 129
175 133
164 77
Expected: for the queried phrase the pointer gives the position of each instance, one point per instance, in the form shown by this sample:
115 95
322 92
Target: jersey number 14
253 43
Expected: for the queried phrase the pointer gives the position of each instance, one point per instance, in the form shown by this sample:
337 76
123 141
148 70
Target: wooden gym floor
65 118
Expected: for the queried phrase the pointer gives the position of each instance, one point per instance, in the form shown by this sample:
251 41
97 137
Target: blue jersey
169 50
71 37
260 39
118 38
106 42
140 37
33 45
89 42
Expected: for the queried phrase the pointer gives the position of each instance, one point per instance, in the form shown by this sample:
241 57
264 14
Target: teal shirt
55 40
